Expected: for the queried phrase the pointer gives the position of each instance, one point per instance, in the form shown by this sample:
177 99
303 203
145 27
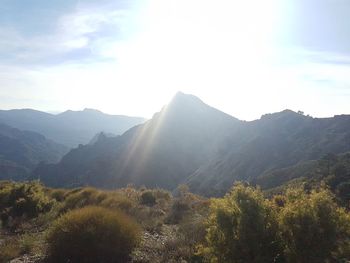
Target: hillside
275 141
331 169
70 128
163 152
193 143
21 151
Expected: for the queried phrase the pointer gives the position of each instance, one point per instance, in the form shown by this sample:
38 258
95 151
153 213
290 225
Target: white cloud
83 28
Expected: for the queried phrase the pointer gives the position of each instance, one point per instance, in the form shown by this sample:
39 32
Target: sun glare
197 46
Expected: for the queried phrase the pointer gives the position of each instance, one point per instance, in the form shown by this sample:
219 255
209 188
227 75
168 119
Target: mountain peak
185 103
181 97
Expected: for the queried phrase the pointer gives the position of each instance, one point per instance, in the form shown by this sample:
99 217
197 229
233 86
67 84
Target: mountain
100 135
332 170
163 152
193 143
275 141
21 151
70 128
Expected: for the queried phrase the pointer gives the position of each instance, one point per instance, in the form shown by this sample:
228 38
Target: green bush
9 249
243 227
58 194
23 199
313 227
92 234
117 201
179 210
148 198
79 198
297 227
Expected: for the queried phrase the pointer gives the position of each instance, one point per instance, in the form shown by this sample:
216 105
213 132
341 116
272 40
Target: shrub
179 210
10 249
148 198
243 227
18 199
117 201
79 198
58 194
313 227
92 234
162 194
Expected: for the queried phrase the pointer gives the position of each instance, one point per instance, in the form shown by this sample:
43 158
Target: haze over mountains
275 141
163 152
21 151
193 143
69 128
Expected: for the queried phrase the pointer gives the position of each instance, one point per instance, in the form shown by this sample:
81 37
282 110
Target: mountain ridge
21 151
191 142
167 143
70 128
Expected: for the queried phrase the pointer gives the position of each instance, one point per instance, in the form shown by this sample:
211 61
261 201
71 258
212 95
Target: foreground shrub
79 198
297 227
23 199
243 227
179 210
148 198
92 234
9 249
58 194
313 227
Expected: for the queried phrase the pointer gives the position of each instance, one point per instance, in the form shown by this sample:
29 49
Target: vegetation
9 250
148 198
300 227
301 224
92 234
332 170
243 227
22 200
314 229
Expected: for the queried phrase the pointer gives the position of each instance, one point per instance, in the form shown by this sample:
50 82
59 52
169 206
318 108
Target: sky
244 57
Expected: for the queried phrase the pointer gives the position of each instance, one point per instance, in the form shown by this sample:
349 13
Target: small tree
313 226
243 228
23 199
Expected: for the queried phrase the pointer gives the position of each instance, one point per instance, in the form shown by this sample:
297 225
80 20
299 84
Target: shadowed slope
162 152
21 151
275 141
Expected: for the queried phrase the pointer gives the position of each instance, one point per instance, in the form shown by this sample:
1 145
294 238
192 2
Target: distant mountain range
193 143
21 151
163 152
69 128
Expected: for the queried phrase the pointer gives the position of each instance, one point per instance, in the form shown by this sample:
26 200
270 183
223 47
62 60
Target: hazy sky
245 57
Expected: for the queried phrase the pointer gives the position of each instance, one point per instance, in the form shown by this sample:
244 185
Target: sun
200 47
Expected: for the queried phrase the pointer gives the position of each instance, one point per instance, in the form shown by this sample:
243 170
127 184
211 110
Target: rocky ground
155 247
